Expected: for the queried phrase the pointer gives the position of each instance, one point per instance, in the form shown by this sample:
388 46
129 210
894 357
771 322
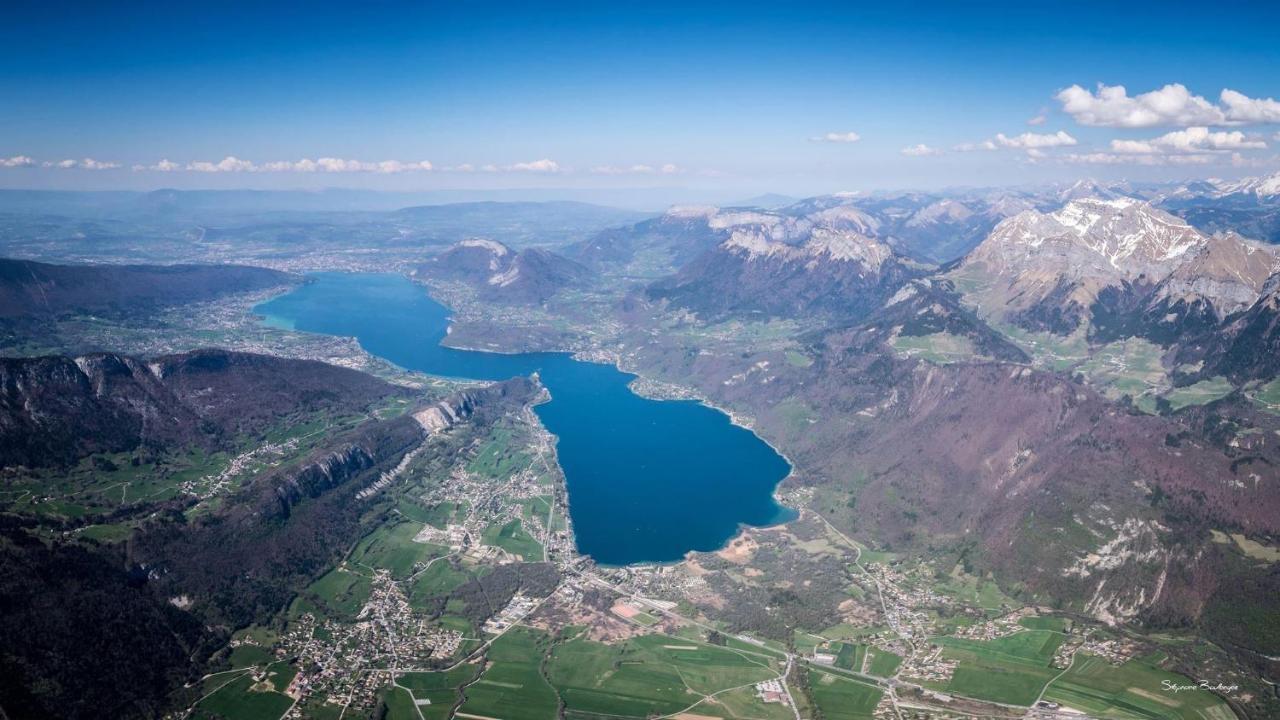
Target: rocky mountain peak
1116 236
1049 270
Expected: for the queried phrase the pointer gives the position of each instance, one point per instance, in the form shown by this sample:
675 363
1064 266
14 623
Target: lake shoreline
657 480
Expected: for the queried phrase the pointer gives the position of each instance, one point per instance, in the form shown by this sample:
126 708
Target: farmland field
842 699
1010 669
653 674
512 686
1132 690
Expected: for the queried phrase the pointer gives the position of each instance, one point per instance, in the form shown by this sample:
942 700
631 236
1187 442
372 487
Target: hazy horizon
797 100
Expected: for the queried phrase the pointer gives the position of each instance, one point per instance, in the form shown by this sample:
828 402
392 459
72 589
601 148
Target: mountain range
1120 264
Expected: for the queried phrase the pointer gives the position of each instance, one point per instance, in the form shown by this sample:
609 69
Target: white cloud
1193 139
85 164
229 163
970 147
162 166
667 169
920 150
1244 109
396 166
837 137
17 161
539 166
1103 158
1111 106
1172 104
1035 140
619 170
337 165
1238 160
1040 118
305 165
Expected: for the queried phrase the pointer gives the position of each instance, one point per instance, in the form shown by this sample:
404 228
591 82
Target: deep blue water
648 480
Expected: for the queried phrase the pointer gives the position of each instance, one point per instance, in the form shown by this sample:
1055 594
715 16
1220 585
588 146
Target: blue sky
489 95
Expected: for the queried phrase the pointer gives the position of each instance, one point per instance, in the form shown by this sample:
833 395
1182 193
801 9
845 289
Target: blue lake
648 480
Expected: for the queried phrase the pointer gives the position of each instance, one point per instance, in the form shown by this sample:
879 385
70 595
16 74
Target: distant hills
502 274
774 263
56 410
31 289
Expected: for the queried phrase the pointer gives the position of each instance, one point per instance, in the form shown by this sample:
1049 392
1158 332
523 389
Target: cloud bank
1172 105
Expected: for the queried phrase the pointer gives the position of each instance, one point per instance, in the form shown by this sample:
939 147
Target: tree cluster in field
803 592
486 594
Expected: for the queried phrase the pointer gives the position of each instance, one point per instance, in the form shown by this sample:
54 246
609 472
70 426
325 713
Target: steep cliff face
1248 346
247 558
55 410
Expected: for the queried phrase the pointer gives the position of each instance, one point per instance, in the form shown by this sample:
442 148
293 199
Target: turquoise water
648 480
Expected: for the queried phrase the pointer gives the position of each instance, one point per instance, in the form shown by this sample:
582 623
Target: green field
938 348
512 686
883 663
1127 367
399 704
440 689
512 538
392 547
339 593
1056 624
974 590
1205 391
1010 669
241 699
851 656
653 674
250 655
843 699
439 579
496 458
1132 690
1268 396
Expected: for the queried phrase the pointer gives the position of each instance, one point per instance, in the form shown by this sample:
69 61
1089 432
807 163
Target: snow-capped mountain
1107 259
1260 187
780 262
940 212
1092 189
